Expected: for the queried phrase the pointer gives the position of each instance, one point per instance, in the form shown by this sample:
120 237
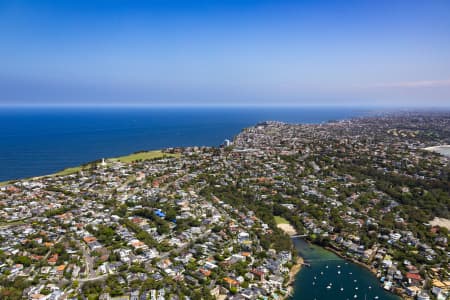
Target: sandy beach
290 230
287 228
443 150
441 222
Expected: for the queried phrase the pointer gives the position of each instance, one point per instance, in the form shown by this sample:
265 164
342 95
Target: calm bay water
329 270
42 141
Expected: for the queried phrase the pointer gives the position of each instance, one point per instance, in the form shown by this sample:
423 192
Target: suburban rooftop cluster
366 189
198 222
135 231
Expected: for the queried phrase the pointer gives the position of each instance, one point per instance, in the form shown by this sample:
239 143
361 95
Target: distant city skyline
225 53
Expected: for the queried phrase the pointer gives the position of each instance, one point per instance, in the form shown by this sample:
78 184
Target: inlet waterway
331 277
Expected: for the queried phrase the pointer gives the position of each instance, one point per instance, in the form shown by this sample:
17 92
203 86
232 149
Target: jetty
298 236
306 264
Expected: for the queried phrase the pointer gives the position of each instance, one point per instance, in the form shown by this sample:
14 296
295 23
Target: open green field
64 172
4 182
143 156
280 220
68 171
125 159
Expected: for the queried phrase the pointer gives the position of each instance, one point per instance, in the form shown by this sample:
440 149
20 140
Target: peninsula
211 222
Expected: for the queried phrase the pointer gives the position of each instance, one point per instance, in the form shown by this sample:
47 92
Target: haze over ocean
253 52
42 141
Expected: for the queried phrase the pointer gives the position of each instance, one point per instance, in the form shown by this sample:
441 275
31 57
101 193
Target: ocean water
329 274
42 141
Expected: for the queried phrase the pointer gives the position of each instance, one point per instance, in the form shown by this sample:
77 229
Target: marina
331 277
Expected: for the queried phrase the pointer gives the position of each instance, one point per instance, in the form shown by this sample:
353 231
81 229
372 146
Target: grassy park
138 156
69 171
146 155
280 220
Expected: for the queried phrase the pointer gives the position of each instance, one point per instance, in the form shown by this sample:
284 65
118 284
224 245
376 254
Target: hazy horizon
391 107
225 53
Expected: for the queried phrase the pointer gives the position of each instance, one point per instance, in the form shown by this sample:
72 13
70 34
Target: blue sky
230 52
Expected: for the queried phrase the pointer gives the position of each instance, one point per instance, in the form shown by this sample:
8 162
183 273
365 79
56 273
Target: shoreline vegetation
129 158
295 269
363 265
287 228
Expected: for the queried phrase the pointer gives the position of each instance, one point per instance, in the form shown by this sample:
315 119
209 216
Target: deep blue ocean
42 141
